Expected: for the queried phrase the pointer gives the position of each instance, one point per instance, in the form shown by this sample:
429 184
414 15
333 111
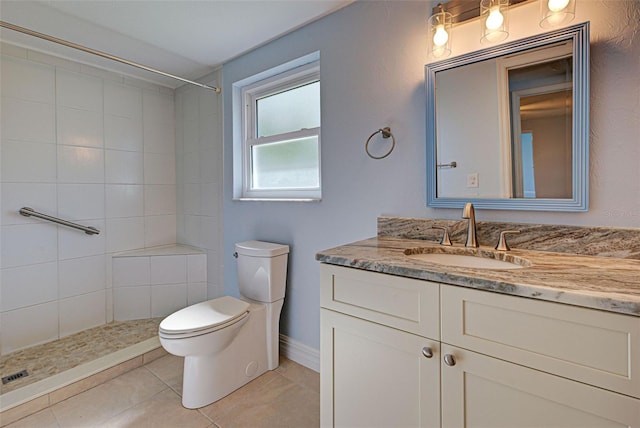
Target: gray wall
372 57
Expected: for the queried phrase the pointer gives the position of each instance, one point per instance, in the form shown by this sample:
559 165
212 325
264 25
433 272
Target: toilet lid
204 315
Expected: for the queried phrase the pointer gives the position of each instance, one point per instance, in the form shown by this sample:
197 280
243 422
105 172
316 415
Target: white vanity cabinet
380 364
498 360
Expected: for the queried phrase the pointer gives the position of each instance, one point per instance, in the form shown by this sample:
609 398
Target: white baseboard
300 353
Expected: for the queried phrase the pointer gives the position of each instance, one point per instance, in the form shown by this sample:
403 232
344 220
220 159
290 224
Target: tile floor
149 396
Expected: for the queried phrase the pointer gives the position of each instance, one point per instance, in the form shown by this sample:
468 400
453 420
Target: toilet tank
262 270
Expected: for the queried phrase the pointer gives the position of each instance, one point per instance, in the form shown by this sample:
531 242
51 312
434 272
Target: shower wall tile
192 199
191 136
28 285
196 293
124 200
123 101
80 165
168 269
210 197
73 244
215 273
159 168
27 120
24 161
28 244
123 133
160 199
131 271
211 227
159 230
124 167
29 326
125 234
81 276
81 201
200 180
176 277
131 303
158 120
78 91
193 230
197 268
79 127
27 81
191 167
167 299
39 196
81 312
109 305
208 165
215 290
108 263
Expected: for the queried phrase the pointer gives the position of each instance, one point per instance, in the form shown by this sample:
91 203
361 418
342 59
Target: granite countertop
608 284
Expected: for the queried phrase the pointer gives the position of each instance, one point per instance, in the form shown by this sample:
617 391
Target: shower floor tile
51 358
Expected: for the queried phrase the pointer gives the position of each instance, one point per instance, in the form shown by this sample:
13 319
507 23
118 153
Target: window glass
292 164
289 111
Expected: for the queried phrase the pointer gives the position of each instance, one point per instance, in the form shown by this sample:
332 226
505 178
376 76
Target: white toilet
226 341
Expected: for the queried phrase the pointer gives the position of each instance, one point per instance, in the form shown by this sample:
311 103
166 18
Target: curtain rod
102 54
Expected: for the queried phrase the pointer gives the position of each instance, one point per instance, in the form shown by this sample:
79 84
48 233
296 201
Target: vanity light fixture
494 20
440 33
554 13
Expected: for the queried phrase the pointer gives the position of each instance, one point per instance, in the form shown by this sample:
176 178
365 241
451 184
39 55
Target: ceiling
188 38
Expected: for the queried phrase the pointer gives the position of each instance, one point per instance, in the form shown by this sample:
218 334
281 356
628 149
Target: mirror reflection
508 126
510 136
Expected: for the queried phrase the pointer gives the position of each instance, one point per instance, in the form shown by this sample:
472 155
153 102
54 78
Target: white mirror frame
579 35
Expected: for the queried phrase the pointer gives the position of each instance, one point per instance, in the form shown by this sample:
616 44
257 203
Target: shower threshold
67 366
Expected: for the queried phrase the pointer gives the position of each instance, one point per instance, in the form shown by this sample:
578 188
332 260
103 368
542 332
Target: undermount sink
468 258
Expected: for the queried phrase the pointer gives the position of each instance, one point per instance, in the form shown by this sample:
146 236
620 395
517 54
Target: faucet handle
445 237
502 242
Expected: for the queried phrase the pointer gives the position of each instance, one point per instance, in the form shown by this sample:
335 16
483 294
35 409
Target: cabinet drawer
595 347
406 304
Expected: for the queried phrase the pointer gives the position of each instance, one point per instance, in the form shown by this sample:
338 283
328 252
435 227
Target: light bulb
441 36
557 5
495 18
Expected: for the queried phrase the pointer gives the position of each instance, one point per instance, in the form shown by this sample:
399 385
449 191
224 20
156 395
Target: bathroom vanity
409 342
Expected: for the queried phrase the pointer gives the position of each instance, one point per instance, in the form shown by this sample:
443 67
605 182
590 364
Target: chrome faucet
469 213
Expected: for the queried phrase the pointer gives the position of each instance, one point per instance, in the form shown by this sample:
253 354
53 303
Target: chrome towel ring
386 133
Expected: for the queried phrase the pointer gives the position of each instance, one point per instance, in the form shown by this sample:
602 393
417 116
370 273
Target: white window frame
290 79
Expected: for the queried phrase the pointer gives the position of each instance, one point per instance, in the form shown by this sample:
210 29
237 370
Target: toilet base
242 361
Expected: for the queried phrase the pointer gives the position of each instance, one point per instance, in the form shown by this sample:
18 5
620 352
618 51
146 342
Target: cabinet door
376 376
480 391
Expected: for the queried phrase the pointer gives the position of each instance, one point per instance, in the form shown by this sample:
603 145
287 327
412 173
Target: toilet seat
203 318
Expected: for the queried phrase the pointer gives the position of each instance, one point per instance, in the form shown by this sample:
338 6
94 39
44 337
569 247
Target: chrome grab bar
28 212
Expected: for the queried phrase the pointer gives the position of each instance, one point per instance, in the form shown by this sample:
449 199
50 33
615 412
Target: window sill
277 199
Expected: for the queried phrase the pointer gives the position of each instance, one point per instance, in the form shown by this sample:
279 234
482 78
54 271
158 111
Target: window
281 136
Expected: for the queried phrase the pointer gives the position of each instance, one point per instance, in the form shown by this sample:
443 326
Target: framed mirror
508 126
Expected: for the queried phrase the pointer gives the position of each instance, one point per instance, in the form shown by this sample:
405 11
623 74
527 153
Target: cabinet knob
427 352
449 360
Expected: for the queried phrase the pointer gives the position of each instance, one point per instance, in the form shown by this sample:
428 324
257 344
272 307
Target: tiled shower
100 149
